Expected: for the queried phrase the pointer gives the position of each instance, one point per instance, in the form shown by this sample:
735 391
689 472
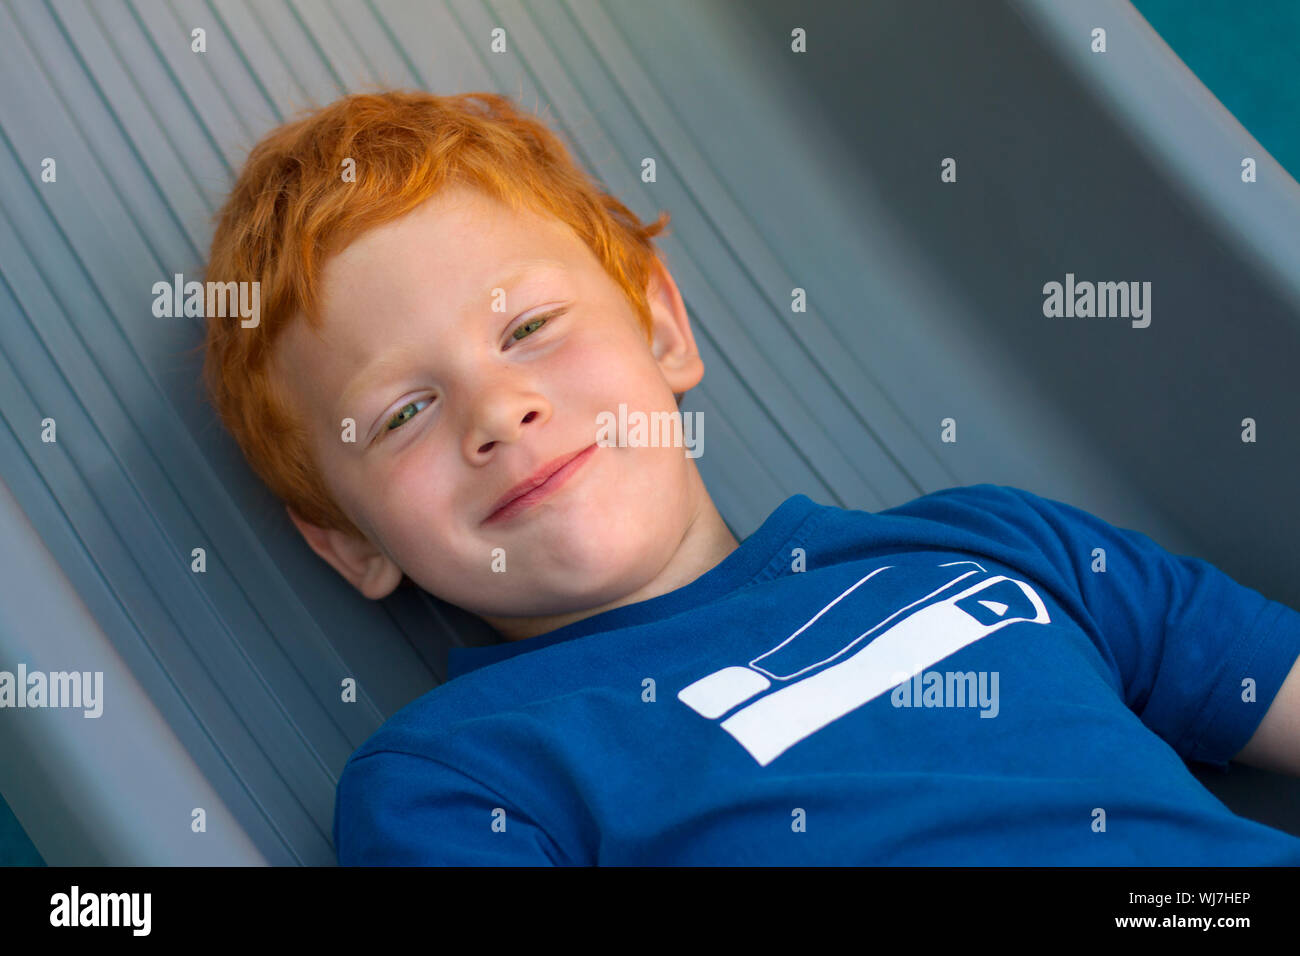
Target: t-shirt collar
738 568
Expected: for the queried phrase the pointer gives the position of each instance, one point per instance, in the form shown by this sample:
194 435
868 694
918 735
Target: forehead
450 252
437 262
454 239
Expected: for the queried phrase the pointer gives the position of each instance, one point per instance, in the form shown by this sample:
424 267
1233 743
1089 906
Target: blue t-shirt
831 693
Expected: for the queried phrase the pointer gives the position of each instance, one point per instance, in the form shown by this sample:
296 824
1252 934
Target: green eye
411 409
534 324
402 416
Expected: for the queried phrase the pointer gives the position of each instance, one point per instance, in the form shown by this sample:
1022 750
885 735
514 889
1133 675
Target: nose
499 415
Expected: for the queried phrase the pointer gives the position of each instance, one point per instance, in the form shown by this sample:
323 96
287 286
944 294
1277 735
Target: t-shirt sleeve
401 809
1200 657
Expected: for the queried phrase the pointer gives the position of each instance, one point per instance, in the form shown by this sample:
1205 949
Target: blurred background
817 170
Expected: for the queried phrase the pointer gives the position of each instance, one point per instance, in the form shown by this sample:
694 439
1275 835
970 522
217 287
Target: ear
672 343
364 566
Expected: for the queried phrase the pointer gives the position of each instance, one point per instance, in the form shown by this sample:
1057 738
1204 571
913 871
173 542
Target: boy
441 334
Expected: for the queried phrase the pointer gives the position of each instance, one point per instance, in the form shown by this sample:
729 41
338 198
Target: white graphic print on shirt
850 672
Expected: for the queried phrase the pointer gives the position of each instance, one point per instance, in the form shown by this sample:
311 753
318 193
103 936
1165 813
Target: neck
705 543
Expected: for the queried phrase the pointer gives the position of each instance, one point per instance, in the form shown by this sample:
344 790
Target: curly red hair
290 209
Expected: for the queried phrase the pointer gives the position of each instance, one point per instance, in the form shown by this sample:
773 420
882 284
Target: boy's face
410 340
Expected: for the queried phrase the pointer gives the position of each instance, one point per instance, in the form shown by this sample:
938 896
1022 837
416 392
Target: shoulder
980 507
419 726
992 509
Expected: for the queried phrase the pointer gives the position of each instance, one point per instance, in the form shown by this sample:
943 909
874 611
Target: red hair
290 209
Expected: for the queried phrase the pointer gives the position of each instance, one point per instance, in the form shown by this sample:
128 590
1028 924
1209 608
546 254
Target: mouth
541 484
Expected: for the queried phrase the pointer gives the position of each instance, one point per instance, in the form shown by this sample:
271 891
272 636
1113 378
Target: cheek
407 503
609 369
586 360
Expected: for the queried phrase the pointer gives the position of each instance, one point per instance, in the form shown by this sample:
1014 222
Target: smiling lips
541 484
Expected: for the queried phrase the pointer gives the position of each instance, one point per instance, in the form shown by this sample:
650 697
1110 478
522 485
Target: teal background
15 848
1247 52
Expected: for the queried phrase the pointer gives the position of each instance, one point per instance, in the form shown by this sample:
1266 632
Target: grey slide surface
817 171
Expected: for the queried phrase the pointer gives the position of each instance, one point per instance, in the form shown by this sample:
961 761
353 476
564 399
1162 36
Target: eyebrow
389 362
